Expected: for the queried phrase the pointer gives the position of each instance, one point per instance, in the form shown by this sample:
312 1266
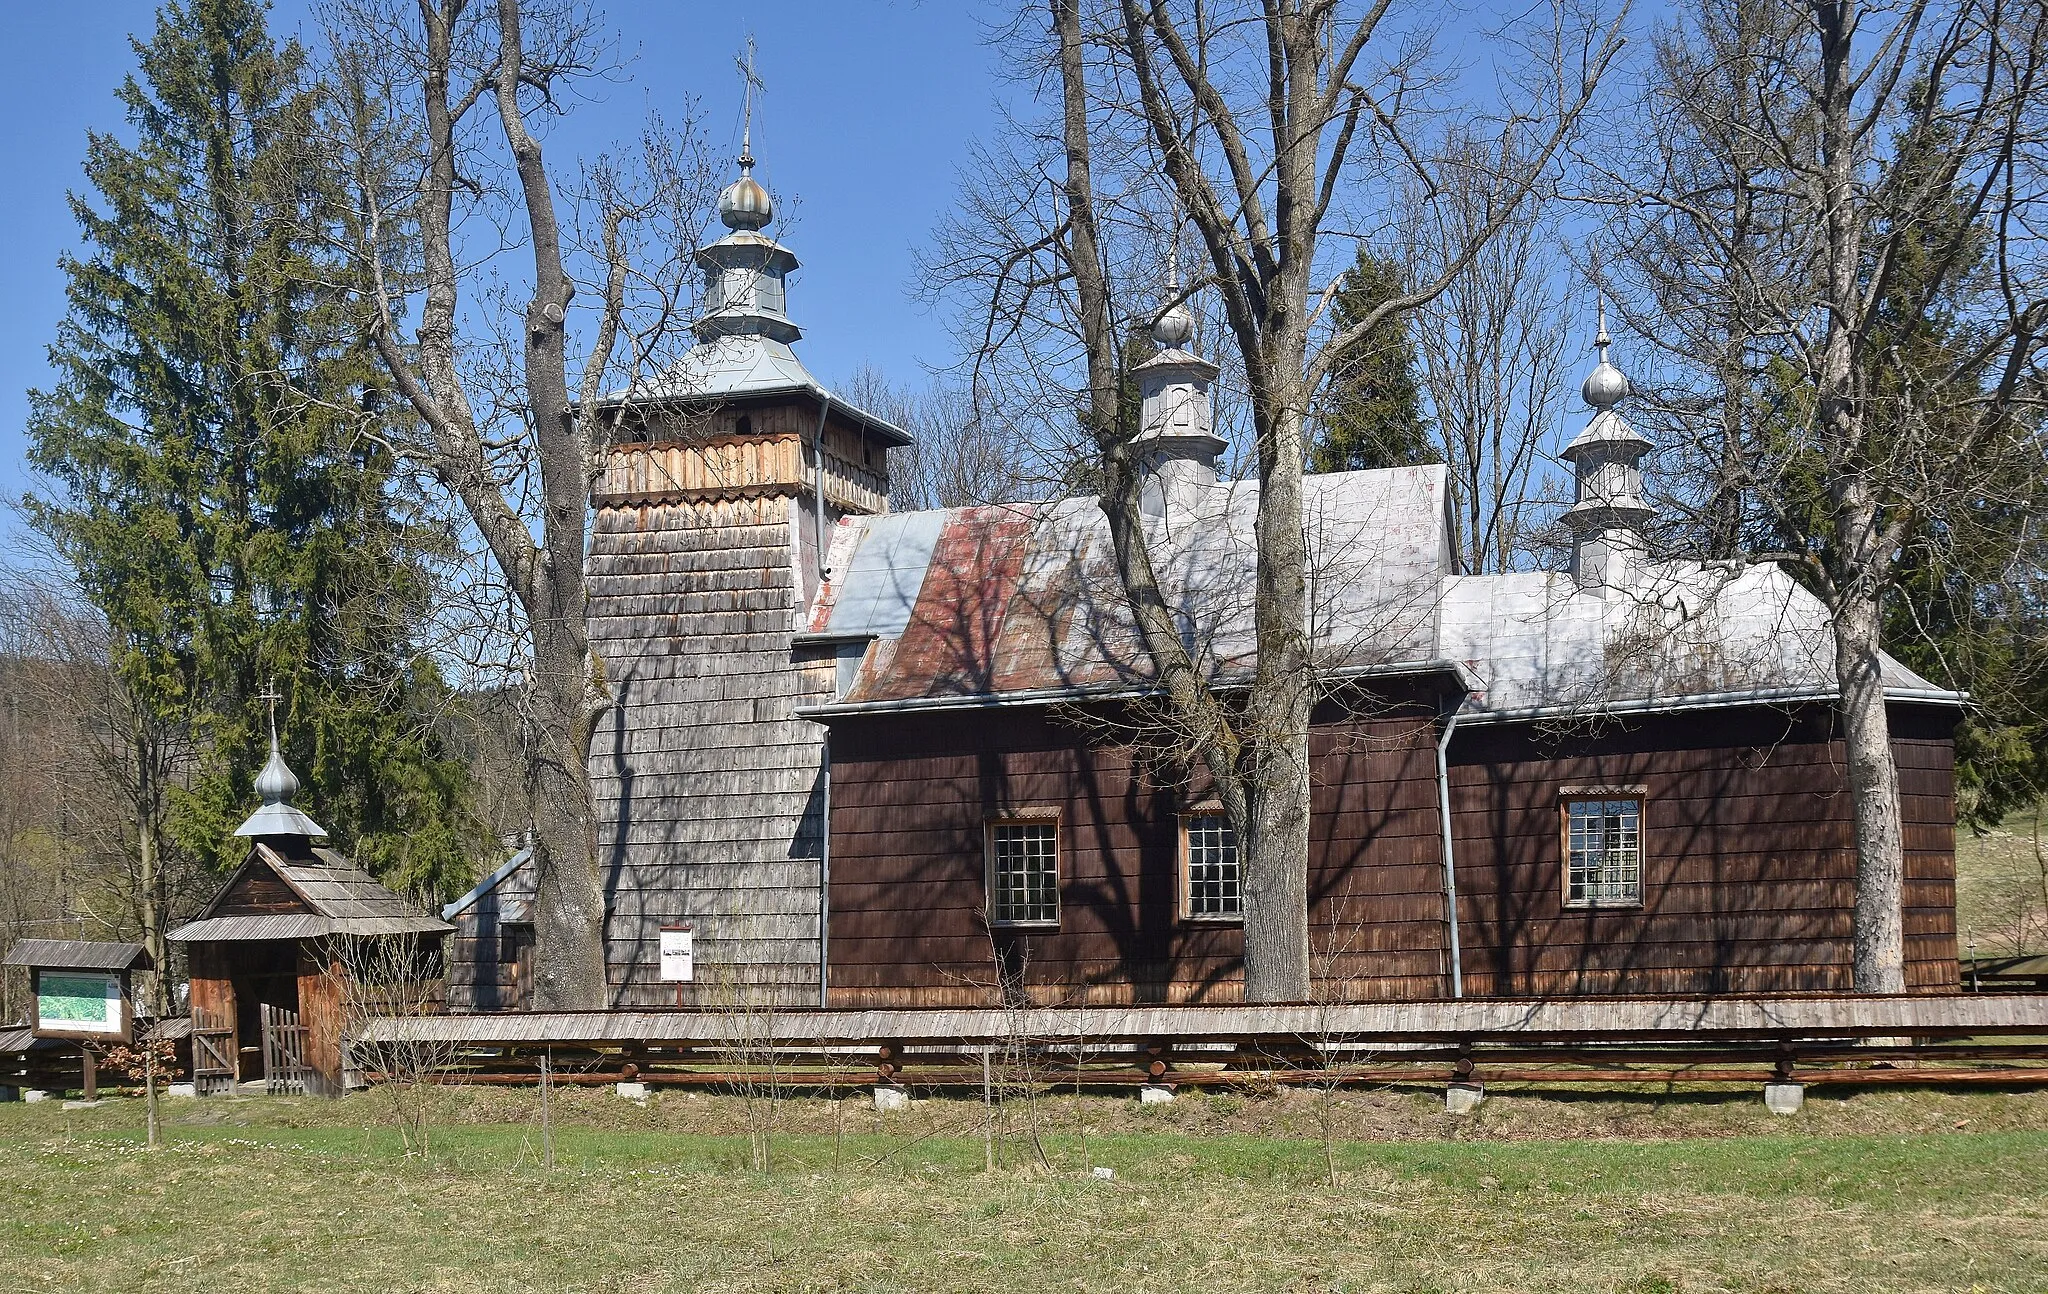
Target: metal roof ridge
450 911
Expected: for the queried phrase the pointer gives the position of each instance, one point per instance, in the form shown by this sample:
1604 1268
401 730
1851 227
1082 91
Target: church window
1603 844
1213 887
1023 872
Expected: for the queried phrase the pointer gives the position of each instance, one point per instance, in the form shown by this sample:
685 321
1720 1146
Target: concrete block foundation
1463 1098
1784 1098
891 1098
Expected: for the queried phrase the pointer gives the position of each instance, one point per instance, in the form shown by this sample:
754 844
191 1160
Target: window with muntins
1214 885
1603 851
1024 874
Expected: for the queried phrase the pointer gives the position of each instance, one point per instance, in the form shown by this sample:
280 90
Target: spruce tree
217 493
1370 411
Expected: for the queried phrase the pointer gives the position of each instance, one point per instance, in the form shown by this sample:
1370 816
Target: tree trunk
1860 557
150 900
1276 947
568 686
569 905
1874 791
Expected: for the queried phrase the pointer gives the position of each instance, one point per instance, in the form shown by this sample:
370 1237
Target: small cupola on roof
746 272
1176 442
1608 512
277 784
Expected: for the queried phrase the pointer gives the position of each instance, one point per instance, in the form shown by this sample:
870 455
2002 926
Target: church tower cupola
1608 512
746 273
1177 444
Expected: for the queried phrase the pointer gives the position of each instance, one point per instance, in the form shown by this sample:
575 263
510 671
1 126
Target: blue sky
870 106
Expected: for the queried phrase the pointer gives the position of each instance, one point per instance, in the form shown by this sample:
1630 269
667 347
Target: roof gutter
1708 701
1027 697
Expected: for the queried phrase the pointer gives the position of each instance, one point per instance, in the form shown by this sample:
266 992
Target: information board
79 1002
678 955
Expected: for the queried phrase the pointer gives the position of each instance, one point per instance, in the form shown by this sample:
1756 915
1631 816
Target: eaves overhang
1703 701
1036 697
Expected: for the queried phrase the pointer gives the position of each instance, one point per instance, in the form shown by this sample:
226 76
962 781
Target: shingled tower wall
710 789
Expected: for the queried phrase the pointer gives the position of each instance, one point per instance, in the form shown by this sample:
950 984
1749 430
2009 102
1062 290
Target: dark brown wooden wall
908 872
1749 860
1749 855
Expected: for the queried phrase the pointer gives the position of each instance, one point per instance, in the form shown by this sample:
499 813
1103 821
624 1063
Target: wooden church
872 758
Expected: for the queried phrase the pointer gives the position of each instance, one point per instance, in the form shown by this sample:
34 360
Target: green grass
1999 891
1873 1192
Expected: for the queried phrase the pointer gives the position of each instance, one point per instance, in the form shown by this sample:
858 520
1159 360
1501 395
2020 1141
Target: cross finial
270 695
1173 247
750 81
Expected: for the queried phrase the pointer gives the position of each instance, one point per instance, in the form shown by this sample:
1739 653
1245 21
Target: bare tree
105 771
1896 152
1492 347
1710 268
387 981
960 456
450 182
1281 131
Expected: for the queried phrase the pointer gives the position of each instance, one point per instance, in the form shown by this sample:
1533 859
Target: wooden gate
213 1052
284 1052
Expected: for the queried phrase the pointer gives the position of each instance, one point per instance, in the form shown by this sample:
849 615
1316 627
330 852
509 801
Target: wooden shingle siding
1749 860
908 878
710 790
480 975
1749 856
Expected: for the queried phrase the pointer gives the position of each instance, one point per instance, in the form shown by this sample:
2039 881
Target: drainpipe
825 745
825 876
1443 803
818 453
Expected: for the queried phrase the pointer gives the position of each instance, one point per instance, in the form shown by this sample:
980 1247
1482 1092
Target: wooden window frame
1023 818
1565 798
1184 870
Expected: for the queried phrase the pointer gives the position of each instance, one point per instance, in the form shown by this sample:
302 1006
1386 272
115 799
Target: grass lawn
1583 1192
1999 889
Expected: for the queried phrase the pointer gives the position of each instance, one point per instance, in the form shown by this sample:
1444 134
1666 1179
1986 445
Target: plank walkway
1535 1021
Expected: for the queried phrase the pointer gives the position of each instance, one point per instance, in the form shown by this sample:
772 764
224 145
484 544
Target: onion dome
1605 386
744 204
277 784
1173 327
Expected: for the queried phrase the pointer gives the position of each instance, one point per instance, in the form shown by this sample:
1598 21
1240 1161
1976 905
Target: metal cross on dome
750 81
270 694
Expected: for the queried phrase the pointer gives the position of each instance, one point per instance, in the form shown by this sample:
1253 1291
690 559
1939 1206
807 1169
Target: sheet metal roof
744 367
1021 602
450 911
76 954
1539 642
1024 597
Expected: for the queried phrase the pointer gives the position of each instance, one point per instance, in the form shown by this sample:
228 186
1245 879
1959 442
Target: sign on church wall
678 955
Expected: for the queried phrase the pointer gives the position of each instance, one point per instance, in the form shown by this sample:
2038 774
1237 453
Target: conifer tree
216 492
1371 407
